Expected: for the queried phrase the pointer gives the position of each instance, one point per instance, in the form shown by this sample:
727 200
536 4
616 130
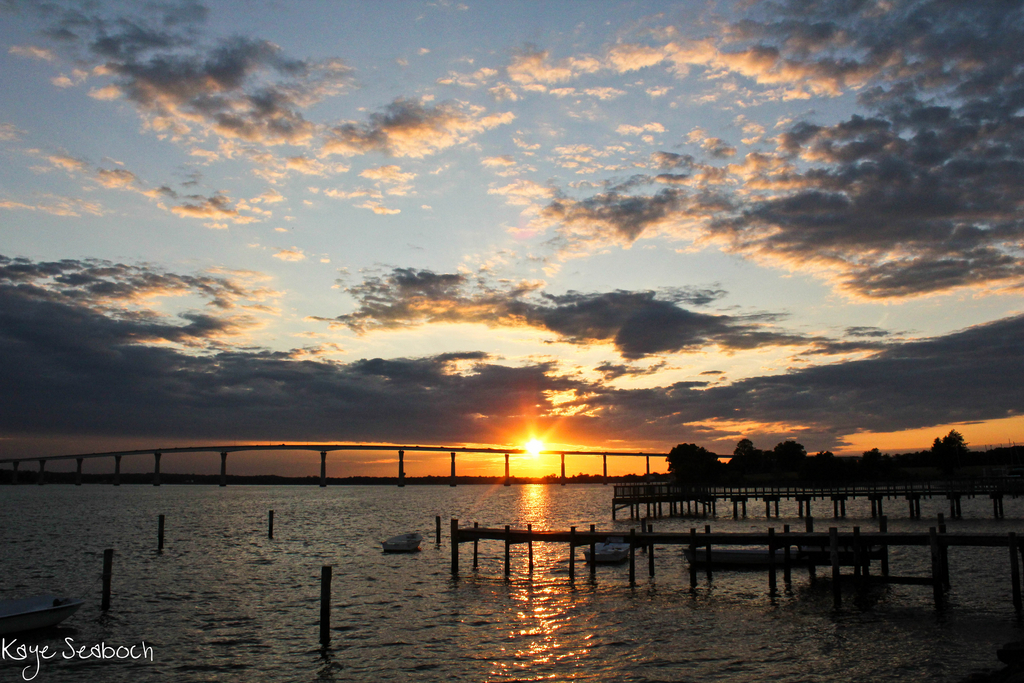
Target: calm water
225 603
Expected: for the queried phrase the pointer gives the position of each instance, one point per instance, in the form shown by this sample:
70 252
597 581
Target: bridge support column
452 482
78 472
323 469
42 472
117 470
401 468
605 475
648 459
563 470
14 472
224 468
156 469
508 479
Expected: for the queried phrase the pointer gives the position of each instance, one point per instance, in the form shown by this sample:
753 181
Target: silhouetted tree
948 453
693 464
746 459
789 455
825 466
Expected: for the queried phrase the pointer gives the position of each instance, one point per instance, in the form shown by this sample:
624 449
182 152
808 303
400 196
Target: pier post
42 472
476 548
508 480
632 557
837 592
812 570
224 468
857 559
270 524
1015 571
452 482
108 570
401 468
323 469
562 482
325 605
437 529
707 565
78 472
572 554
117 470
160 534
883 527
455 547
648 459
693 562
14 472
593 550
786 566
156 469
650 552
508 551
772 581
604 459
933 542
529 546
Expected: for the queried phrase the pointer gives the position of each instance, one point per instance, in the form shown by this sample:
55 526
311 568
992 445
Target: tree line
690 463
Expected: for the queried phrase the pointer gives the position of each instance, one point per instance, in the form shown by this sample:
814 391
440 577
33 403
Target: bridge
323 449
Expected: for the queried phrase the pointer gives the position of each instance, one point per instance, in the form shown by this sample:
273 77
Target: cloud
638 324
293 254
409 129
217 207
532 67
32 52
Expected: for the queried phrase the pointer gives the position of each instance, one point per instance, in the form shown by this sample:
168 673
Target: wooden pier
833 549
660 499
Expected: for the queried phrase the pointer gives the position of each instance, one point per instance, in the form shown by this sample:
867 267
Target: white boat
737 557
404 543
615 549
27 614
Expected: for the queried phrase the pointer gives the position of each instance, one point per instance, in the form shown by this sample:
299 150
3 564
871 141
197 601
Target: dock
853 550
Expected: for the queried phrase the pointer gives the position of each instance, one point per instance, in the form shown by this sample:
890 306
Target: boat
614 549
41 611
737 557
403 543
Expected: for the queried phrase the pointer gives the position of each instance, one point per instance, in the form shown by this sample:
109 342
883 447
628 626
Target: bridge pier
838 506
604 481
803 506
156 469
508 480
562 481
736 500
452 482
78 472
768 506
401 468
914 501
323 469
224 468
876 505
117 470
42 472
14 472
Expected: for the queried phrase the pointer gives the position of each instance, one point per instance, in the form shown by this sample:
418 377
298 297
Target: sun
534 447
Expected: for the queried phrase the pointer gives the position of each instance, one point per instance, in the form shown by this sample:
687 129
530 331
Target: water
223 602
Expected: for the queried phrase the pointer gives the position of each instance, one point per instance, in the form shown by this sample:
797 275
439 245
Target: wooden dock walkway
833 549
703 500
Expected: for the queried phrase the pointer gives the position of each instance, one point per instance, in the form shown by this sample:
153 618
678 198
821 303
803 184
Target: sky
603 225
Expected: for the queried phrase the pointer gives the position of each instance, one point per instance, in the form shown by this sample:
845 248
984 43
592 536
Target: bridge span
322 448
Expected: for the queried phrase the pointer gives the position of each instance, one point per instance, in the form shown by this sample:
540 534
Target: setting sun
534 447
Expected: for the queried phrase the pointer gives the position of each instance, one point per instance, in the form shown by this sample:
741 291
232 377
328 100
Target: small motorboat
41 611
614 549
404 543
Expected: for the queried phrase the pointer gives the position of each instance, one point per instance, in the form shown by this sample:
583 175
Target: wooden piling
883 527
529 545
772 586
593 552
693 562
837 592
325 605
786 559
632 557
270 524
452 482
476 548
572 554
437 529
108 569
508 551
858 560
650 553
401 468
160 534
455 546
933 541
1015 572
812 570
323 469
707 565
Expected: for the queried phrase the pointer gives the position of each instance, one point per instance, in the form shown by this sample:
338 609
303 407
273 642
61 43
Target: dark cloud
407 128
637 323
